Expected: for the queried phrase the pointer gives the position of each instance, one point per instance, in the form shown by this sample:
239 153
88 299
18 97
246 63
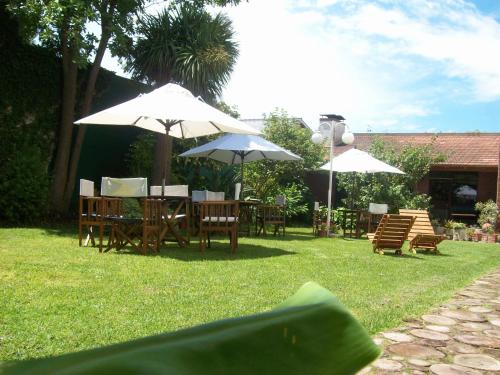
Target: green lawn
57 297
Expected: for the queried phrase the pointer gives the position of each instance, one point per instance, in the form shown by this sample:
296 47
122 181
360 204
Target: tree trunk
85 110
162 166
68 99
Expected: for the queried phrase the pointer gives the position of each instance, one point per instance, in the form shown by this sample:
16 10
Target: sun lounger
391 233
422 235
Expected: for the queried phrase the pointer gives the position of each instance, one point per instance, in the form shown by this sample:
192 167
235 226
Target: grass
57 297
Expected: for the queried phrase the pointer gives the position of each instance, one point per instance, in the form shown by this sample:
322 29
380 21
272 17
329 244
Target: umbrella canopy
240 148
171 110
359 161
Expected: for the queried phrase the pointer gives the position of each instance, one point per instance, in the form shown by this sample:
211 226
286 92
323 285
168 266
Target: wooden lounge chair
391 233
422 235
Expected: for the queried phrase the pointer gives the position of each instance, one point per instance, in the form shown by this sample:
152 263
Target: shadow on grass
218 251
65 231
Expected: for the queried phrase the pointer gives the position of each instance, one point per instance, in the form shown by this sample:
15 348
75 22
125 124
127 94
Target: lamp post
327 132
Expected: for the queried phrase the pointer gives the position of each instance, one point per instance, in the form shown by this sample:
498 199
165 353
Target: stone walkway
460 337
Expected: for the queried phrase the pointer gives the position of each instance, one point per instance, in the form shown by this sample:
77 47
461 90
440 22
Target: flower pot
489 237
439 230
459 234
449 233
322 233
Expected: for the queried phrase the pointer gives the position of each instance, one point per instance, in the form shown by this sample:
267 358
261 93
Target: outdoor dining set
168 214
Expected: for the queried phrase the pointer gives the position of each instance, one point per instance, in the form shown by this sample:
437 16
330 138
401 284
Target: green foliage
296 204
488 212
141 156
185 44
398 191
264 179
24 185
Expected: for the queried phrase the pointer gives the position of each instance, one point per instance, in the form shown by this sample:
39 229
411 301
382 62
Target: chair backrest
215 195
393 230
86 188
237 191
199 195
124 187
280 200
170 191
378 208
218 214
422 223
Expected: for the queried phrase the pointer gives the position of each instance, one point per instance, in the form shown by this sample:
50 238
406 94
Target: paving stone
459 347
473 326
417 372
364 371
495 322
479 309
479 340
419 362
415 351
463 315
387 364
442 329
378 341
397 358
493 333
445 369
430 335
397 336
439 320
477 361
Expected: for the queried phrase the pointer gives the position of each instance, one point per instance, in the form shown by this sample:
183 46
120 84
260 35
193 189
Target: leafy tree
398 191
187 45
62 25
267 178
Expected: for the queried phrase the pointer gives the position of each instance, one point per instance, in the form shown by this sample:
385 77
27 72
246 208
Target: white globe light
348 138
317 138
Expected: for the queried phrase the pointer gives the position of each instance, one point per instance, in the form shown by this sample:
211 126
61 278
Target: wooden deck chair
422 235
218 217
391 233
272 214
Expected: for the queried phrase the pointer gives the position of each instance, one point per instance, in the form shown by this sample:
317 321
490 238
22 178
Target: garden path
460 337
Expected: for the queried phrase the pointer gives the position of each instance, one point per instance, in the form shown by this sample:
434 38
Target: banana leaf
309 333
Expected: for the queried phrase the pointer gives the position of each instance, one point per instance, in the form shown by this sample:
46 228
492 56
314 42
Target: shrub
488 212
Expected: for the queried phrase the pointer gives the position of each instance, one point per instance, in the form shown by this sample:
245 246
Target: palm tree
183 44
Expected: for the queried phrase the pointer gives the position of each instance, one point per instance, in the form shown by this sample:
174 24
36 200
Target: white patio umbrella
241 148
358 161
171 110
355 160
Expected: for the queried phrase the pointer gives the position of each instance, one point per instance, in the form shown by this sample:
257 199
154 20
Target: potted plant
438 228
459 231
478 234
489 234
471 234
448 229
488 212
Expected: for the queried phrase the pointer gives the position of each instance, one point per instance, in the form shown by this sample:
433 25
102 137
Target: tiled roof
462 149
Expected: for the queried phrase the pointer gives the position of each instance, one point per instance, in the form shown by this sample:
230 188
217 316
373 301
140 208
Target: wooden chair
272 214
422 235
218 217
89 214
391 233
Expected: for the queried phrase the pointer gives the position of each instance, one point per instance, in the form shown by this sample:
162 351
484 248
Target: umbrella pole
242 174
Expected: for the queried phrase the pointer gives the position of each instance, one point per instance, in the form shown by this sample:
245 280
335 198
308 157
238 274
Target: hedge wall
30 89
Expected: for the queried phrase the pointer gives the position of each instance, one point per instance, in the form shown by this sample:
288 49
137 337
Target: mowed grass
57 297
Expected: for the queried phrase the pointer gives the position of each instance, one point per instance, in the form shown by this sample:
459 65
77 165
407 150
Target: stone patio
460 337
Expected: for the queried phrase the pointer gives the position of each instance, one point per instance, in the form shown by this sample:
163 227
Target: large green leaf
310 333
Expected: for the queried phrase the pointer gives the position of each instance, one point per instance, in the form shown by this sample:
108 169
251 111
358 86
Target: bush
24 186
488 212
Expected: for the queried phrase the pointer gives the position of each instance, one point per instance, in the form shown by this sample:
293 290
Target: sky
384 65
